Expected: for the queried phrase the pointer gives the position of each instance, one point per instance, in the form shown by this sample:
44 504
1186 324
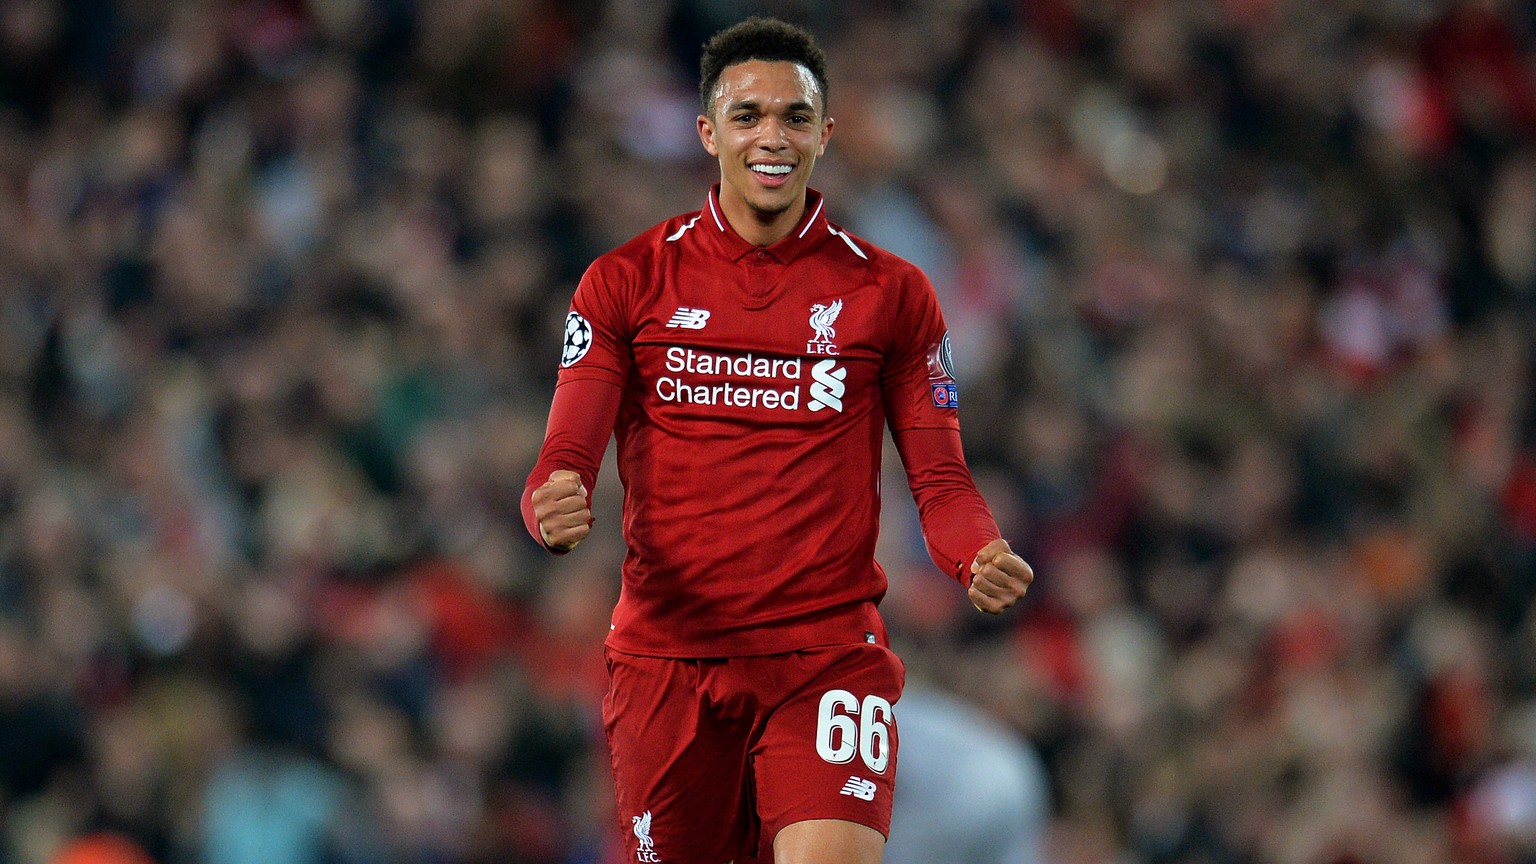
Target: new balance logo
858 787
689 319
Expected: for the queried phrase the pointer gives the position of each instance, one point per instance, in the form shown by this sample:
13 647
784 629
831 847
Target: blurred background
1243 296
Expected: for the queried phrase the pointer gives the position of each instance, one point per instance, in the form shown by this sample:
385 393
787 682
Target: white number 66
841 721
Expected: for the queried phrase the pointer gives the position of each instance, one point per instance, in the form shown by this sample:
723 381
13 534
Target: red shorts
711 758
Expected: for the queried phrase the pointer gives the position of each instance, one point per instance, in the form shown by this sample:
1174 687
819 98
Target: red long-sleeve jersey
748 390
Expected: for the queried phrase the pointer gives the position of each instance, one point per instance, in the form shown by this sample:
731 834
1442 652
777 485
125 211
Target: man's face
767 129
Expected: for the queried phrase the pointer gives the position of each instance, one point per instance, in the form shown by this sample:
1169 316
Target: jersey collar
810 232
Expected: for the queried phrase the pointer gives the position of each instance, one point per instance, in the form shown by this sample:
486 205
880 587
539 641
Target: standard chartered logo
760 382
827 386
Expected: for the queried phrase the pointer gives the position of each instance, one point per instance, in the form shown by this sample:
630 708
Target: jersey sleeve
922 408
597 329
595 360
955 518
918 382
581 418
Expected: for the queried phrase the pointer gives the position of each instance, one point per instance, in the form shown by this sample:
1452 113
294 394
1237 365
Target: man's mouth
772 175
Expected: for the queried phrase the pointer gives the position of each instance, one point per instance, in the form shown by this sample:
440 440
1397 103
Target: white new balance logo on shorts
858 787
689 319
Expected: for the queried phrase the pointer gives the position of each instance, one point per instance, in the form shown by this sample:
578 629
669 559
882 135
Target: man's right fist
560 505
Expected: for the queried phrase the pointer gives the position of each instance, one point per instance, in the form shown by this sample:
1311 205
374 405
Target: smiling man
765 122
747 358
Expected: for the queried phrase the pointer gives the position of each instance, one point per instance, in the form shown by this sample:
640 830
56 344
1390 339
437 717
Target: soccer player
747 357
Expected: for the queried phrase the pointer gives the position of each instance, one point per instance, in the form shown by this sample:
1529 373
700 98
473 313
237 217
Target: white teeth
772 169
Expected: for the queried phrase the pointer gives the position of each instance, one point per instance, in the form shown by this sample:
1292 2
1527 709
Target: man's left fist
999 578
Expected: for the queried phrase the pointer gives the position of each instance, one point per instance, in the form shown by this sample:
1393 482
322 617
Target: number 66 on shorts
847 726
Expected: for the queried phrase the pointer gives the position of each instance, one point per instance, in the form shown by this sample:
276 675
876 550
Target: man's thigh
828 749
829 841
679 768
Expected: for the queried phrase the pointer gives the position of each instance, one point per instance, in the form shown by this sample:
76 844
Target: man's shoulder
660 239
883 262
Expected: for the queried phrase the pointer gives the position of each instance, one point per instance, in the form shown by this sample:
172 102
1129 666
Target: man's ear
707 136
826 135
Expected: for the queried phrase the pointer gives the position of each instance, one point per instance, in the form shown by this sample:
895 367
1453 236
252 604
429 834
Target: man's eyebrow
798 106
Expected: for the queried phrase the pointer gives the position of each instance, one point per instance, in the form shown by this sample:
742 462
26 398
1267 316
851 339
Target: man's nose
773 134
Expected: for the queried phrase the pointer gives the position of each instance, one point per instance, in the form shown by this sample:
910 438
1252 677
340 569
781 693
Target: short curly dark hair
759 38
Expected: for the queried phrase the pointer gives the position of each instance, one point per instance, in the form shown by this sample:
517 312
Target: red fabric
1472 56
101 848
702 746
1461 719
956 521
754 389
1519 499
1051 643
471 627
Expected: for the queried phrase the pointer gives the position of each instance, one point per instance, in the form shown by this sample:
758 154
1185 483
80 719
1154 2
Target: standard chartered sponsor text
673 390
742 366
686 360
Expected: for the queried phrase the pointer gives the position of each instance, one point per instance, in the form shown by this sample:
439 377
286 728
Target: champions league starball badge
578 338
946 357
941 360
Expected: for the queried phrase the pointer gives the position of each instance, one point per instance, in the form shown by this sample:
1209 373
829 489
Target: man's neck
761 229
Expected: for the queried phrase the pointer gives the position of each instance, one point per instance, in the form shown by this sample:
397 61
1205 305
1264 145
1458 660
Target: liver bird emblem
822 319
642 828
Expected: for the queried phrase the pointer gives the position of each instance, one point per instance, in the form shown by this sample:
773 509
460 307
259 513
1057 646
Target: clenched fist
560 505
999 578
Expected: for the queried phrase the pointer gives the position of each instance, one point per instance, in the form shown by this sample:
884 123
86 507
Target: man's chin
771 207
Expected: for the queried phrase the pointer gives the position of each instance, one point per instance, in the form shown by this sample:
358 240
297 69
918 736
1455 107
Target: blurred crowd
1243 298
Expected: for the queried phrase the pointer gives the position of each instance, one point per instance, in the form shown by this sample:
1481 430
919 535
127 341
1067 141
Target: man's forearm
581 418
956 520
